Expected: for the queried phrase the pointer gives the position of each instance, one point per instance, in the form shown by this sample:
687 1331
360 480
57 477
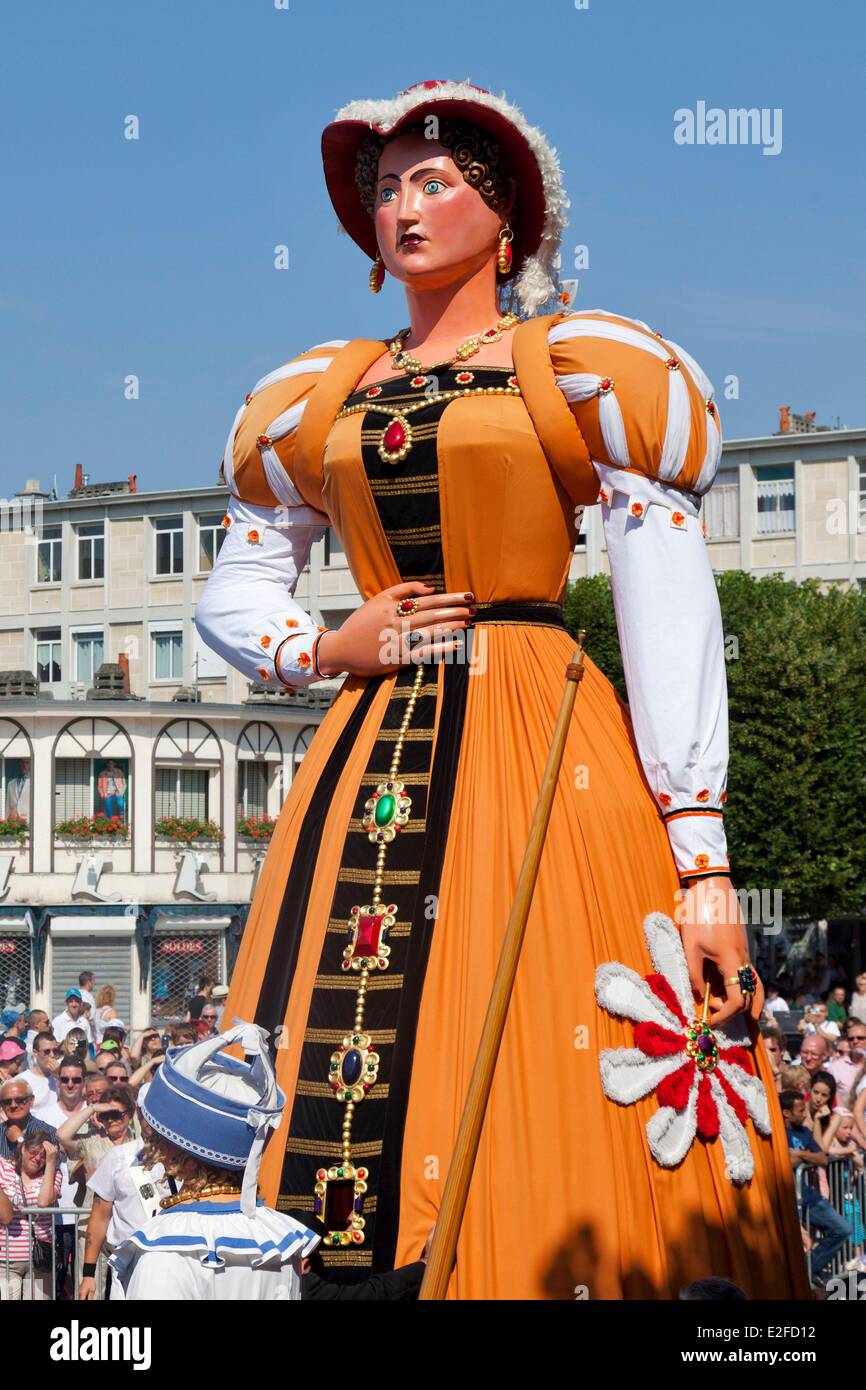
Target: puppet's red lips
411 239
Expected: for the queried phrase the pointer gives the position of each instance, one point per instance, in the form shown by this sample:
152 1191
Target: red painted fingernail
469 597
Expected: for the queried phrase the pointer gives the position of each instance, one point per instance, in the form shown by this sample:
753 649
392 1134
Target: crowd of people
816 1041
72 1133
70 1090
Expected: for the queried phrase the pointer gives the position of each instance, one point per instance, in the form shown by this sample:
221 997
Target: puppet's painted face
432 227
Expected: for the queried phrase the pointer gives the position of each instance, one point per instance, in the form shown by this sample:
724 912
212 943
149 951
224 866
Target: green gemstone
371 1066
347 1095
339 1172
356 1039
334 1066
386 809
335 1240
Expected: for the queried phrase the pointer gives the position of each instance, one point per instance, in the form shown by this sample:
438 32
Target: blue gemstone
352 1064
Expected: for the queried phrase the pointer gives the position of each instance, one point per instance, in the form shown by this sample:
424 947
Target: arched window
16 763
260 756
92 771
187 758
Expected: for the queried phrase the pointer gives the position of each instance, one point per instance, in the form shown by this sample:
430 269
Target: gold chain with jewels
354 1066
396 438
404 361
215 1191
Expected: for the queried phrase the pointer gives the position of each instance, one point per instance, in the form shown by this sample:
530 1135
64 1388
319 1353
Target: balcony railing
777 512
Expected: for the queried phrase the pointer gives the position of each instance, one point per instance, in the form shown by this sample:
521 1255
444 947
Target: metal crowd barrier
41 1284
847 1185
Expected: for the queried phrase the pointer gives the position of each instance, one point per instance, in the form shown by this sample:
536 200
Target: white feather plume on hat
537 280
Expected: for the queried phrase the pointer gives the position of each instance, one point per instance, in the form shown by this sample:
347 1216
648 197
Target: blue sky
155 257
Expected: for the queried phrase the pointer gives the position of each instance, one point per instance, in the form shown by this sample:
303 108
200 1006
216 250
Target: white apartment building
112 575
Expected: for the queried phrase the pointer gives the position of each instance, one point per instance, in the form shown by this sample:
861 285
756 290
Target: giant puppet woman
623 1150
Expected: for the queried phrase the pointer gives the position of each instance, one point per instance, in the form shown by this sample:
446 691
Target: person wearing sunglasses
205 1024
56 1111
30 1179
848 1070
16 1102
124 1192
42 1075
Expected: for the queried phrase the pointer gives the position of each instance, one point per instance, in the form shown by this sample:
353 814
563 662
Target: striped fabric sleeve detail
642 403
259 453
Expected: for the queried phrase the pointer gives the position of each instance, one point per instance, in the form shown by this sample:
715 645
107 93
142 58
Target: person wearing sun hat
206 1119
454 457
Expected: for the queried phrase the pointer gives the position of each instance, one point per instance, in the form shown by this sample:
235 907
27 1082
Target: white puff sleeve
247 612
670 633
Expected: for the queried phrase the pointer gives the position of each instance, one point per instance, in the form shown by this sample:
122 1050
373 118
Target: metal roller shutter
14 969
109 957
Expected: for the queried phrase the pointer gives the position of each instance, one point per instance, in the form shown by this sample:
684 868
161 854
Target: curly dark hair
480 158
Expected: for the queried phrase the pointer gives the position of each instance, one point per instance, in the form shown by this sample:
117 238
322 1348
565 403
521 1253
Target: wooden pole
443 1248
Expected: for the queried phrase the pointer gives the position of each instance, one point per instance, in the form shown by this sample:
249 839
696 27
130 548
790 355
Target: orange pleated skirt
566 1200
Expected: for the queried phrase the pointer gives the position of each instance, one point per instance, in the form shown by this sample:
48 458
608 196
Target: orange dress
566 1199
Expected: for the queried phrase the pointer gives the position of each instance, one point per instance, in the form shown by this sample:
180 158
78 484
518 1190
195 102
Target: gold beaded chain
351 1093
215 1190
404 361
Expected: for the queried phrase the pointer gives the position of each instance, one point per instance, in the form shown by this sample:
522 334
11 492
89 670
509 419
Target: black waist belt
515 611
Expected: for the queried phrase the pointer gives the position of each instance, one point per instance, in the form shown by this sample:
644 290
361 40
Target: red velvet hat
532 160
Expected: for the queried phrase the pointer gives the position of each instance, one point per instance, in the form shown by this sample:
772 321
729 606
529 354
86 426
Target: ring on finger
406 607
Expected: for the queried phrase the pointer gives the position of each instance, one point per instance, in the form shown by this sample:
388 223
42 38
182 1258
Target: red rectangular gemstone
368 935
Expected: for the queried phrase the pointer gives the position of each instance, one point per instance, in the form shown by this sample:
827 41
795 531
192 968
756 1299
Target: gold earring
503 255
377 274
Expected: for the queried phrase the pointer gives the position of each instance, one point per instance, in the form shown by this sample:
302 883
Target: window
211 534
49 666
334 553
181 791
861 518
776 501
252 788
73 788
49 556
169 544
180 958
720 512
167 661
91 550
88 649
15 798
91 786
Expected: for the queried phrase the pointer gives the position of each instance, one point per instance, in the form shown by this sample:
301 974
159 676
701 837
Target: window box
107 828
257 828
14 827
187 830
